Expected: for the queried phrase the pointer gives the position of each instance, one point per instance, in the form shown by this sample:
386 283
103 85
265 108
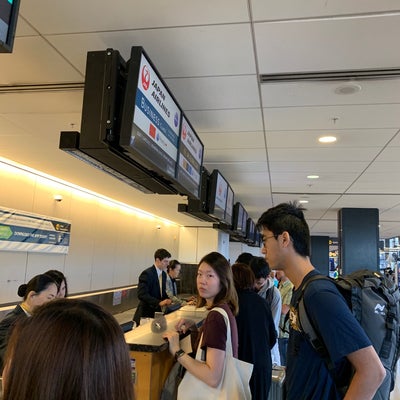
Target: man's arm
369 374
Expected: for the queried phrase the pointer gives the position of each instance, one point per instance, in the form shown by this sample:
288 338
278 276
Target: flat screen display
190 160
8 23
244 222
250 230
217 195
229 206
237 220
151 117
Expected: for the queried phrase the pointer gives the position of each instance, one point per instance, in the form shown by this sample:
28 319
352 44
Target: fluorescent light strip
9 163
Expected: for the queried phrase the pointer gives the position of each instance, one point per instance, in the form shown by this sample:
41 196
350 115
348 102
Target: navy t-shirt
307 376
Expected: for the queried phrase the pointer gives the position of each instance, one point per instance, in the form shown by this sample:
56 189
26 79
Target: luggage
277 390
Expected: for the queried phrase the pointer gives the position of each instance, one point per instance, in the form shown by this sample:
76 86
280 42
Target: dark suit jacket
6 326
149 293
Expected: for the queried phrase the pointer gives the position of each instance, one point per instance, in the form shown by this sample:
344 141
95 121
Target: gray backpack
375 302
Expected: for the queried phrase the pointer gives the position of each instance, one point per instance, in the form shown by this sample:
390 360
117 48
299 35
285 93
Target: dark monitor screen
229 206
244 222
8 24
190 160
218 192
151 117
250 230
237 220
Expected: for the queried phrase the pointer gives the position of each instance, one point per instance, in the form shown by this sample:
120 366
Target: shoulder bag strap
228 329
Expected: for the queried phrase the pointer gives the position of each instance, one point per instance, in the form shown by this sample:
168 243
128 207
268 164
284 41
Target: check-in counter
150 357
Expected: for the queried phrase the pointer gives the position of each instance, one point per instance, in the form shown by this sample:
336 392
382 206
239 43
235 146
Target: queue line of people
285 247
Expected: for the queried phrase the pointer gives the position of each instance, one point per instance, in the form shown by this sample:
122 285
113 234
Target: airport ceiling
263 137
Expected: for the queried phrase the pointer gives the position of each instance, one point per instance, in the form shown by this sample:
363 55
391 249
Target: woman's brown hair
68 350
243 276
227 294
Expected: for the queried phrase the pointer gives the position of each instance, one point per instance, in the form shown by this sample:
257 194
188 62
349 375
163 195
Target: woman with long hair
216 289
69 349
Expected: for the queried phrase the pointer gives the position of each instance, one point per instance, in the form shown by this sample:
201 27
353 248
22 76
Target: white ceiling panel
213 93
245 168
345 138
348 117
323 154
317 167
234 155
88 16
226 120
342 43
377 183
234 140
372 200
174 51
289 9
35 61
311 93
35 102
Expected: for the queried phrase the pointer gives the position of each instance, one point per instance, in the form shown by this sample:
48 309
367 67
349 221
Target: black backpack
375 302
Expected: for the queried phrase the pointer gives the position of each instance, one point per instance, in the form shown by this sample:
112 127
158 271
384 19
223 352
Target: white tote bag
235 380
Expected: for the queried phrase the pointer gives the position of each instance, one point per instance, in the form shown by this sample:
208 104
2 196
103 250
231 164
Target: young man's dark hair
244 258
260 267
288 217
161 254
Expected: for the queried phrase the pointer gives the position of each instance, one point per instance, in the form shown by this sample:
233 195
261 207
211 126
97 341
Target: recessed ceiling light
348 88
327 139
303 201
312 176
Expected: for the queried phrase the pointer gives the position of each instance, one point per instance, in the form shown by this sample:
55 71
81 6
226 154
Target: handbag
234 383
174 378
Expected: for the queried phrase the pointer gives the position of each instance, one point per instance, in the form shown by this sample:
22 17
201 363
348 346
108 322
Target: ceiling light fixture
312 176
327 139
348 88
303 201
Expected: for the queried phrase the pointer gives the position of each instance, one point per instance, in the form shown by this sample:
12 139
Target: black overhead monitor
250 230
218 192
229 206
190 160
244 222
8 24
237 219
151 117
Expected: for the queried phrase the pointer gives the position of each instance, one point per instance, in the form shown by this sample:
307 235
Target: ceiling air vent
362 74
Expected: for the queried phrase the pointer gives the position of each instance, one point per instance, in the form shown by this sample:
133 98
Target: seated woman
215 287
39 290
69 349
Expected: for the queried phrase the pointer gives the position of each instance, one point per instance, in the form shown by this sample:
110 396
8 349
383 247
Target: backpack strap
311 332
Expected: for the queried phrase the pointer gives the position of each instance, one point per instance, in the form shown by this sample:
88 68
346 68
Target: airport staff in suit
151 288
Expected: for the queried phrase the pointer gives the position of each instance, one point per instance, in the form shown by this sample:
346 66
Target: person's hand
165 302
184 325
173 341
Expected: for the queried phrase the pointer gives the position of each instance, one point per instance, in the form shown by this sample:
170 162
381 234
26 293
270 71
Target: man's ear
285 237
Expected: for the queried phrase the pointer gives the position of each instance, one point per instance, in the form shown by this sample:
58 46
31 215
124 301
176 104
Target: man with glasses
286 239
152 287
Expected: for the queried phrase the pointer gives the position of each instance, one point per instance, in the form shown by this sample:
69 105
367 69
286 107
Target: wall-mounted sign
23 231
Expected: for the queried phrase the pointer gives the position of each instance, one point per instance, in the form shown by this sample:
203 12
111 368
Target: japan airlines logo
379 309
145 77
184 133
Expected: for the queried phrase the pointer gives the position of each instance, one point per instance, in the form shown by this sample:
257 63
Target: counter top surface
143 339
